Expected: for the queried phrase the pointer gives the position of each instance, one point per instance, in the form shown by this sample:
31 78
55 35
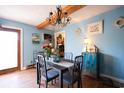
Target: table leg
61 79
78 83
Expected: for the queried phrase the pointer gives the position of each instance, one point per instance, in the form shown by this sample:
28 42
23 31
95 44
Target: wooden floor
27 79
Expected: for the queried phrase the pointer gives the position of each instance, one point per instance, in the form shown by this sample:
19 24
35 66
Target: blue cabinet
90 66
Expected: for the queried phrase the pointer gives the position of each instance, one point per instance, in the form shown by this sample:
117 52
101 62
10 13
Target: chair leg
46 84
52 82
78 83
39 85
68 85
80 80
81 83
55 80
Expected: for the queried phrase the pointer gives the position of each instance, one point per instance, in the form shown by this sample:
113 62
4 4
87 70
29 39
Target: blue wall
28 47
110 43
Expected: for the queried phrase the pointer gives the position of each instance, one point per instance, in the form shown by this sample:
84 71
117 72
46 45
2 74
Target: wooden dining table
61 67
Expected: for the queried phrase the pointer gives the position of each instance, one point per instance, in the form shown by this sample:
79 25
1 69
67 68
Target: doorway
9 50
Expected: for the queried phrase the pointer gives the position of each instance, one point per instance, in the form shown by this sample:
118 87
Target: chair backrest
68 56
77 66
80 59
35 55
40 53
42 65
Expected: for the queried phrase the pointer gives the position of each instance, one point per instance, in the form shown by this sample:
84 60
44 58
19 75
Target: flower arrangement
47 50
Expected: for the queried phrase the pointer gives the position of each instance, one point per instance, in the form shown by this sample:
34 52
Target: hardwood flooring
19 79
27 79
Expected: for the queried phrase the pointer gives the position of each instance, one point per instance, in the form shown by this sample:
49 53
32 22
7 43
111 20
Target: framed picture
35 38
48 37
95 28
59 42
119 23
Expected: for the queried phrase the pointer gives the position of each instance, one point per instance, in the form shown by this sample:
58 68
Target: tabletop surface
62 63
60 66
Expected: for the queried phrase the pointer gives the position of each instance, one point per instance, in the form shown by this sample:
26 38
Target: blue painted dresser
90 66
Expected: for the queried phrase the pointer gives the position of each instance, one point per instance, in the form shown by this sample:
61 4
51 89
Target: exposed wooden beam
70 9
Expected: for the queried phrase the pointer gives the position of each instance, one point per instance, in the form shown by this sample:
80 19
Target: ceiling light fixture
60 19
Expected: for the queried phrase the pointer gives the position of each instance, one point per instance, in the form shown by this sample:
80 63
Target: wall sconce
78 30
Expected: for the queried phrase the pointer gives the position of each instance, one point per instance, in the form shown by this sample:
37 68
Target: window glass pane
8 49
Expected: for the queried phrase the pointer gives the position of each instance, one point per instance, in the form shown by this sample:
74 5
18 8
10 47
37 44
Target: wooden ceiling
70 9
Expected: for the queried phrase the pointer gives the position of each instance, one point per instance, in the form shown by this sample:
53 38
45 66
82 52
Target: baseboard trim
28 67
23 68
113 78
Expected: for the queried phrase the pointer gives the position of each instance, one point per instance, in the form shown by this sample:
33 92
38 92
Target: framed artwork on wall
35 38
47 40
59 43
48 37
95 28
119 22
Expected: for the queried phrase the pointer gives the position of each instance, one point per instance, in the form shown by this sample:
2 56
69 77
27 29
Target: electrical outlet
31 62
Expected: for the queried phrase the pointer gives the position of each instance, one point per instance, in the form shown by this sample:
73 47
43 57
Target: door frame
18 51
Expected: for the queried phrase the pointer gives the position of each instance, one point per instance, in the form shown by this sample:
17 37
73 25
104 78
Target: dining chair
80 59
74 75
68 56
48 74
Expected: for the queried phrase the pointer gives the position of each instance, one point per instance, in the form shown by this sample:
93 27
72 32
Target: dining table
61 66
